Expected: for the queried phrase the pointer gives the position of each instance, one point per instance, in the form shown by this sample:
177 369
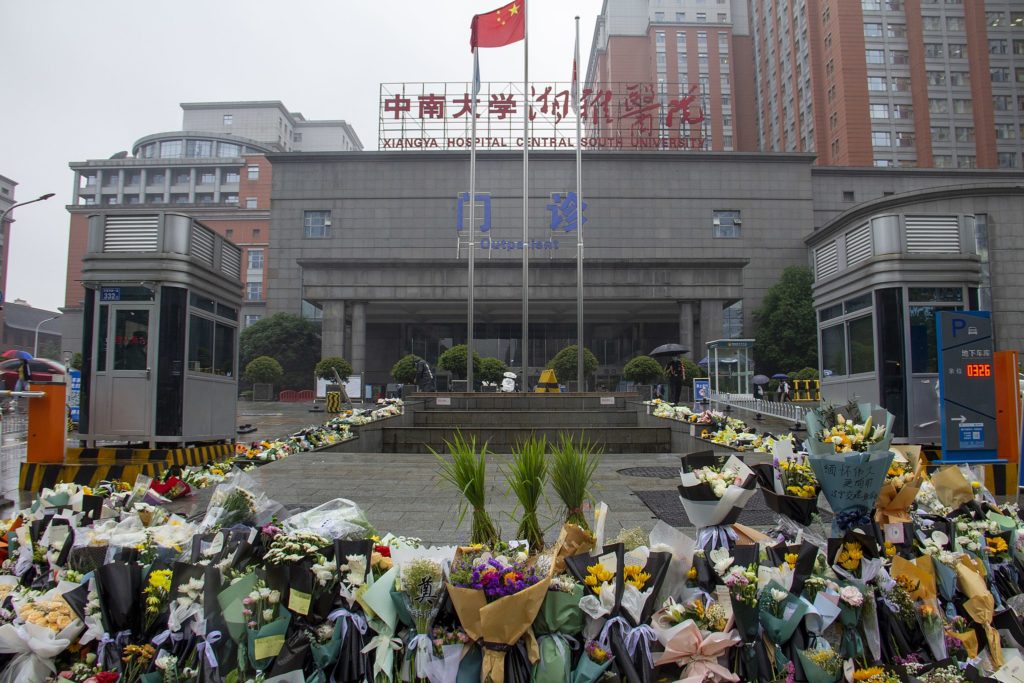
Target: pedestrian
778 393
759 392
676 374
24 377
785 390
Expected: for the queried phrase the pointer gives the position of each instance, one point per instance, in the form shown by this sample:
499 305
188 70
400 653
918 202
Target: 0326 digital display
979 369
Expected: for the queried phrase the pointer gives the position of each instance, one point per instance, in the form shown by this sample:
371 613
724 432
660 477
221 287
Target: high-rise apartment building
213 169
681 47
927 83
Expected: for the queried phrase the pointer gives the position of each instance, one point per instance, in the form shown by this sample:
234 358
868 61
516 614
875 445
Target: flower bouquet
823 665
348 575
44 628
695 637
850 460
497 602
420 583
558 621
593 664
267 625
789 485
119 586
902 482
780 613
750 660
713 494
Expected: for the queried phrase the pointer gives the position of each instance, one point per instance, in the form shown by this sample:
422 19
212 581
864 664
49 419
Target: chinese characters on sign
619 116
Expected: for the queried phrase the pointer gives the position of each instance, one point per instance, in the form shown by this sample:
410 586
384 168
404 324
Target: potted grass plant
572 467
466 470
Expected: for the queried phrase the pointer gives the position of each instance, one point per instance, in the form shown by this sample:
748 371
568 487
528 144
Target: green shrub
263 370
76 360
325 368
454 361
564 364
404 371
491 370
642 370
807 373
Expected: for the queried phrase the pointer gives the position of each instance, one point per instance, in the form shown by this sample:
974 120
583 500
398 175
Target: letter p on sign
958 324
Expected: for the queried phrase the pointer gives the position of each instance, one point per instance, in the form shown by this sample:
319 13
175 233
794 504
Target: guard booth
160 331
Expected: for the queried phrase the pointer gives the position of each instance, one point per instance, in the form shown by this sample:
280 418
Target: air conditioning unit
717 222
327 222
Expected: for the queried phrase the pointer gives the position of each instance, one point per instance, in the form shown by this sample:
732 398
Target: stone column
686 330
710 322
358 358
332 339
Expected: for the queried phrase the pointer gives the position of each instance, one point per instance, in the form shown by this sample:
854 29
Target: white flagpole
580 386
472 220
526 199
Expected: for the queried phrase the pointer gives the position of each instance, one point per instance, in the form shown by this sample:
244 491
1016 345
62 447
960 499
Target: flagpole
580 386
471 279
526 199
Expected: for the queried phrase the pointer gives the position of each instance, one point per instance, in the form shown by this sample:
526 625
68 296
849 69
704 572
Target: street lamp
12 207
35 346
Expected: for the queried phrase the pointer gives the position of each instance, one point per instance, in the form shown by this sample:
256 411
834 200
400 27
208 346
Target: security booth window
131 338
924 303
860 336
833 351
211 347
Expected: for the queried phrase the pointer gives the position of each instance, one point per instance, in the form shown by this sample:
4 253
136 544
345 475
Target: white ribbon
641 635
205 647
120 639
603 639
717 536
420 643
175 637
384 645
358 620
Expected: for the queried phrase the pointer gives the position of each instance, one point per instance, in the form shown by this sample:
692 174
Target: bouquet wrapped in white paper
713 493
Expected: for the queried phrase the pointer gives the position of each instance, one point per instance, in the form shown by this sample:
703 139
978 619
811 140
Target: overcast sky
83 80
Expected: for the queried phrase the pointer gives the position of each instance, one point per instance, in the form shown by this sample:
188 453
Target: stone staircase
503 420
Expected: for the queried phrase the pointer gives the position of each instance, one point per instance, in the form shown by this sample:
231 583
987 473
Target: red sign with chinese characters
625 116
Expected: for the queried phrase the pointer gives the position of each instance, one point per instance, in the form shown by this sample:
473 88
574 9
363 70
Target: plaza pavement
402 493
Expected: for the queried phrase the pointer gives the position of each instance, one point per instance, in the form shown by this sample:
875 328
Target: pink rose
851 596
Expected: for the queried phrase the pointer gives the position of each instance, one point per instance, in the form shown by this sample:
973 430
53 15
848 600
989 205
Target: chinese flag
503 26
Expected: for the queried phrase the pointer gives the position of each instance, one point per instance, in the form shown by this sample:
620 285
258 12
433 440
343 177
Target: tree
326 367
642 370
564 364
287 338
404 371
76 360
454 361
491 370
786 335
263 370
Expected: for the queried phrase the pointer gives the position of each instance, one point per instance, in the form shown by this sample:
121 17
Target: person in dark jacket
676 372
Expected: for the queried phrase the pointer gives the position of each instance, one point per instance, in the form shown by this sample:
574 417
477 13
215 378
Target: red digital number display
979 370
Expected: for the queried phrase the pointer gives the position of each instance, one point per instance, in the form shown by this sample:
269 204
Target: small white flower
779 596
721 560
274 597
268 615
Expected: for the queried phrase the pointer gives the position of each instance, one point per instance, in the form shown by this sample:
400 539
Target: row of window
999 46
1002 19
1003 131
206 199
193 149
317 225
701 17
204 176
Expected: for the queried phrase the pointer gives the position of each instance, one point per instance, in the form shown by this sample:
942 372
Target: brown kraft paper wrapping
572 540
951 487
980 605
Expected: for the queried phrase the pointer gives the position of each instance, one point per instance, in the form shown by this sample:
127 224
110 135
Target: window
877 84
253 172
211 347
900 84
833 351
1017 19
954 23
938 106
1019 75
861 340
316 223
228 119
966 161
296 137
940 134
957 51
198 148
904 138
1007 159
875 56
204 198
894 5
227 149
726 223
879 111
1001 102
942 161
899 56
149 151
182 178
923 350
252 318
960 78
1000 74
932 23
661 61
997 47
964 134
849 196
250 203
253 291
155 179
1018 47
256 259
131 178
897 30
154 199
207 177
231 199
1006 131
881 138
659 40
934 50
963 107
903 111
995 19
871 5
659 16
702 17
872 30
170 149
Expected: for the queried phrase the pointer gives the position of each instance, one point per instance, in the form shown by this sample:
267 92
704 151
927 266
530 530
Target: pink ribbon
699 655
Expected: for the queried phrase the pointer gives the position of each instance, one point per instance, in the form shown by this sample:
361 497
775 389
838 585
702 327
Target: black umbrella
668 350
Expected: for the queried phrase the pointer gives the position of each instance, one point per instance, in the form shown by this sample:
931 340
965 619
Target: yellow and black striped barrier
37 476
333 404
196 455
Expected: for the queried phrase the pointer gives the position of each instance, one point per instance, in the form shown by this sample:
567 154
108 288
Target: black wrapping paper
294 656
800 510
352 665
119 586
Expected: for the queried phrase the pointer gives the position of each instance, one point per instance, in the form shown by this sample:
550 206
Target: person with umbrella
676 372
24 372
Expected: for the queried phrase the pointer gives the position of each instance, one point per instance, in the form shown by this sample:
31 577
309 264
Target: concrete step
504 439
567 419
497 401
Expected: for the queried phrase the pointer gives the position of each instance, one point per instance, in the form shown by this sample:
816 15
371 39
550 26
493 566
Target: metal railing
784 411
